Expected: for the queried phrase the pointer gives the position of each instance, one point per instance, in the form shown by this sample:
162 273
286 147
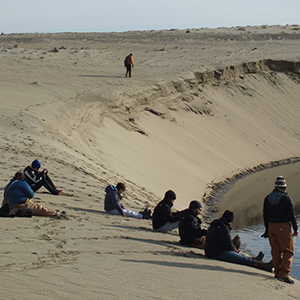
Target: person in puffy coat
220 246
163 219
190 231
113 206
279 217
19 193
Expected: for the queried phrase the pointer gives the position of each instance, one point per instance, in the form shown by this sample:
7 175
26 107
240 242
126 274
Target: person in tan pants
18 192
279 216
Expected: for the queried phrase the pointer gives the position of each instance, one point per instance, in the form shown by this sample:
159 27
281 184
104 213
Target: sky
40 16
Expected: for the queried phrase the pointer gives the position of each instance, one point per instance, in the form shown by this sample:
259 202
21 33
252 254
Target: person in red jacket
128 62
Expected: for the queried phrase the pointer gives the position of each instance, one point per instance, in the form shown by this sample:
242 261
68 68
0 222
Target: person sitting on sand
163 219
36 179
218 245
190 231
113 206
18 192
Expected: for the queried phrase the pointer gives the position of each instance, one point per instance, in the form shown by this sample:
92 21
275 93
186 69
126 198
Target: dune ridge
204 106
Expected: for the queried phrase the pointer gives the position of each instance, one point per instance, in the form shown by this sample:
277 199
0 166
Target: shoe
63 214
269 266
59 192
260 256
286 279
146 213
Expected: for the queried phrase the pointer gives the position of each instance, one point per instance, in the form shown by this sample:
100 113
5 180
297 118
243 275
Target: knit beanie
228 216
195 204
280 182
35 164
170 195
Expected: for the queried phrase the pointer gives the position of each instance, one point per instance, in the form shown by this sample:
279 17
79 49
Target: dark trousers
128 70
47 183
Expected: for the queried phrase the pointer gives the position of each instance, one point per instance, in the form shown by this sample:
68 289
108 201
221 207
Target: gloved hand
265 234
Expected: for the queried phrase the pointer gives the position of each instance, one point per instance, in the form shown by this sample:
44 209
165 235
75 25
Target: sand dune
203 106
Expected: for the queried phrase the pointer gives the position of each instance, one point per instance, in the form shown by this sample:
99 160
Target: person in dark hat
219 245
113 206
36 178
163 219
279 216
190 231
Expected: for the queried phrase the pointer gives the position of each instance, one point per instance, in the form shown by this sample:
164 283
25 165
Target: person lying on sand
163 219
36 179
19 194
218 245
190 231
113 206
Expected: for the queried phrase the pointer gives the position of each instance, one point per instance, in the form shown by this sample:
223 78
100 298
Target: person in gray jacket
113 206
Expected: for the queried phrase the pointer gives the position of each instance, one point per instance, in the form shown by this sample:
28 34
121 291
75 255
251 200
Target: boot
260 256
262 266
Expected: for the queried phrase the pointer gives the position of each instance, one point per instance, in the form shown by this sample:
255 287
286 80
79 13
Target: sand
202 106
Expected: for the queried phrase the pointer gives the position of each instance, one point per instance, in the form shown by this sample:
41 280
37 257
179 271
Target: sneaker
286 279
260 256
59 192
146 213
63 214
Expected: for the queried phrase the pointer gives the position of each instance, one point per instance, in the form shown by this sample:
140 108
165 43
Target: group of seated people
20 190
216 241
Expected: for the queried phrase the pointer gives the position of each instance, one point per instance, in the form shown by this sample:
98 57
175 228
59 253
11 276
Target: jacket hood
110 188
220 222
275 197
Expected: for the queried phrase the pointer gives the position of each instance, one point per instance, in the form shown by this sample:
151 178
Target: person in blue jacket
19 193
113 206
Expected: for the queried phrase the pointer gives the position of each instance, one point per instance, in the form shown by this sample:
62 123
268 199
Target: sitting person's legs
234 257
37 209
168 227
127 213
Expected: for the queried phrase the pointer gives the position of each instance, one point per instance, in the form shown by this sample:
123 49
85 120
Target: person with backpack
36 178
113 206
128 62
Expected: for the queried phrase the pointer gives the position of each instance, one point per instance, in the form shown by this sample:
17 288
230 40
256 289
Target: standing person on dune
128 62
279 216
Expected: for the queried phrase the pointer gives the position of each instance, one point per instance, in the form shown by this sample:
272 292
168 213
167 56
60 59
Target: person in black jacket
219 245
190 231
163 219
36 179
279 216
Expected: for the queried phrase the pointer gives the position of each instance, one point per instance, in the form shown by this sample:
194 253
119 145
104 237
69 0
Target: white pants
127 213
168 227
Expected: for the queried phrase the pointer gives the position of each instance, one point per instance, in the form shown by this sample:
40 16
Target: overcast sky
22 16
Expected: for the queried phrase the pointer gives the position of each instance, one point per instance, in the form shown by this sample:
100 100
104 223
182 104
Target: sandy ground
203 106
